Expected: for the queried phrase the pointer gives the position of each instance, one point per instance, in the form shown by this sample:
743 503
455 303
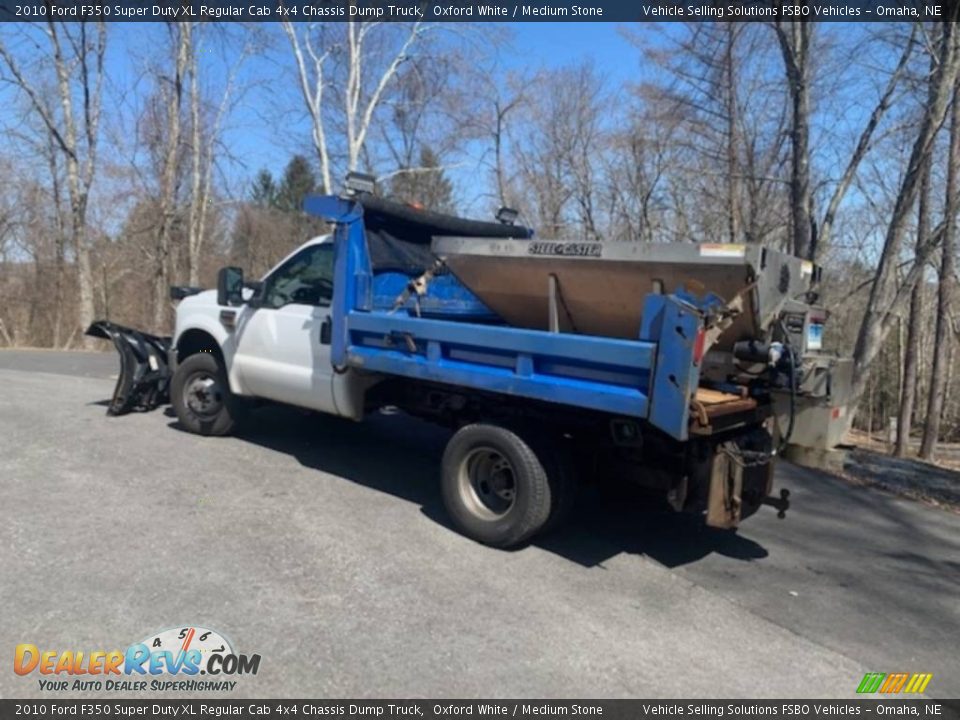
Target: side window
305 279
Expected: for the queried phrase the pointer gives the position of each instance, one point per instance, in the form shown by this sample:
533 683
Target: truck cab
271 338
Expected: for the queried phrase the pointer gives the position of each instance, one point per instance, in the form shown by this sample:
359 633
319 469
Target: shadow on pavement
401 456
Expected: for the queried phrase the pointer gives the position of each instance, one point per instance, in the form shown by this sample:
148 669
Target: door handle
326 330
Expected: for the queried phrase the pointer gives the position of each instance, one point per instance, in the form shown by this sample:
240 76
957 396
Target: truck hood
207 297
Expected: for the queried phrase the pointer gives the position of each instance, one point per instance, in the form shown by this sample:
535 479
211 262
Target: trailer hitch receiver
782 503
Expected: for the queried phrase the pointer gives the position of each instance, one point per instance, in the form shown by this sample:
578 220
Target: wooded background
839 143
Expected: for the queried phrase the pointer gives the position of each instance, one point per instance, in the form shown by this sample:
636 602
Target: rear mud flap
741 478
144 380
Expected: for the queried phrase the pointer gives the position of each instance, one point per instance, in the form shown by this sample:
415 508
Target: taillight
698 346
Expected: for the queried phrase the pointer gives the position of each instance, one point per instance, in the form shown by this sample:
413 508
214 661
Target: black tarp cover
399 235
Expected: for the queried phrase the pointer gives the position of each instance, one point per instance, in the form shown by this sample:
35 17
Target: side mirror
230 286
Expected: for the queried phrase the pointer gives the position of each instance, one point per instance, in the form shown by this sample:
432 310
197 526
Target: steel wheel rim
203 395
487 484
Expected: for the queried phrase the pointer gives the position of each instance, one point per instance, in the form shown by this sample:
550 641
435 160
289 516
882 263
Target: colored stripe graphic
918 682
871 682
893 683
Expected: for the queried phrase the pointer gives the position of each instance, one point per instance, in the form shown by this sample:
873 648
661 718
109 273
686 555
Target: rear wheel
564 484
201 396
495 486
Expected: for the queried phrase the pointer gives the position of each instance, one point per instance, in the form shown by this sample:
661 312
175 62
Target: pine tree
298 181
264 190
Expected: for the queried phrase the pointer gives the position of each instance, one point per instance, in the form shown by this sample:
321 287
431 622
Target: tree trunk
795 49
498 154
948 383
84 276
730 99
59 242
198 199
168 188
78 229
908 395
941 346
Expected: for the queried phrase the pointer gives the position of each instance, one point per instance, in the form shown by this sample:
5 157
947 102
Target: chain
745 458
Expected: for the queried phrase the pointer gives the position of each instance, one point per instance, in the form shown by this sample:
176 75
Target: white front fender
197 314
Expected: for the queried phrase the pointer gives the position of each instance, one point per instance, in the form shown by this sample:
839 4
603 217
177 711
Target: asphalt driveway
322 545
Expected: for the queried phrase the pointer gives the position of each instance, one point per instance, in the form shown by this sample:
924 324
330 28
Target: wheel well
197 341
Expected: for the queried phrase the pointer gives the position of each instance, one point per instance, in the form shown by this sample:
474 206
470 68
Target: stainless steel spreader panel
600 287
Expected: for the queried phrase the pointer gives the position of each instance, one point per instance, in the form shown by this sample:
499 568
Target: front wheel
201 396
494 486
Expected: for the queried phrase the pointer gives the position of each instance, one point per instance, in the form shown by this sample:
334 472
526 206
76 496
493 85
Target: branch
42 110
863 145
313 97
416 31
420 170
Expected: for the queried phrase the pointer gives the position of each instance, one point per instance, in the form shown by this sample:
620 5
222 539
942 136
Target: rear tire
564 483
201 396
495 487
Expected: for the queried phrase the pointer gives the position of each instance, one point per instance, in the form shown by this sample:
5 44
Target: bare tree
361 102
76 55
885 297
909 382
559 149
732 113
201 171
794 40
825 231
313 83
908 393
60 239
640 159
728 136
361 62
502 107
942 339
496 101
172 95
204 139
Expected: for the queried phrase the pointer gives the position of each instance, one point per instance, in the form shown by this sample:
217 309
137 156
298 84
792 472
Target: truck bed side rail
590 372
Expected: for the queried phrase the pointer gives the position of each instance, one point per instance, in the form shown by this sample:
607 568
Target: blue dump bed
446 335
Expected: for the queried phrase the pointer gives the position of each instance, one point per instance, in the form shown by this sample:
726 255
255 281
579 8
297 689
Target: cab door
280 354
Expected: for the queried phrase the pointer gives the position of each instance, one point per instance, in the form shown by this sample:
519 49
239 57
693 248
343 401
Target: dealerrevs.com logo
171 660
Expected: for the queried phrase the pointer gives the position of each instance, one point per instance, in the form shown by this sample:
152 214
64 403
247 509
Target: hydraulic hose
793 390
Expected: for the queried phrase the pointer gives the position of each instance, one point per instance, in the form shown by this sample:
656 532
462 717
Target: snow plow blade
144 380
